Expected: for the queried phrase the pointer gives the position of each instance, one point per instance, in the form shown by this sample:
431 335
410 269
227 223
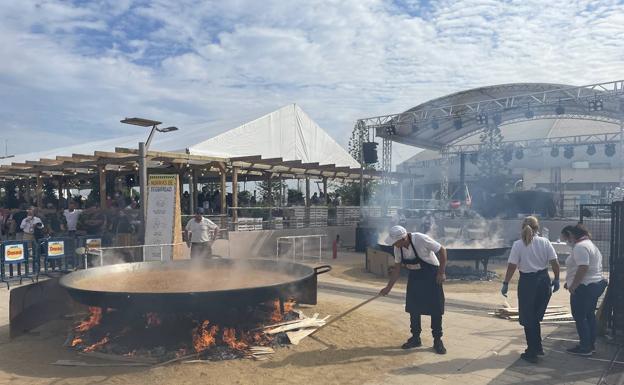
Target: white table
293 241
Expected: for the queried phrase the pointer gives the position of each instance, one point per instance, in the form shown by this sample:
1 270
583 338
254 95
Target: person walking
586 283
531 255
203 232
426 261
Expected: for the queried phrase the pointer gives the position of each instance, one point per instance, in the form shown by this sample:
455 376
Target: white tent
288 133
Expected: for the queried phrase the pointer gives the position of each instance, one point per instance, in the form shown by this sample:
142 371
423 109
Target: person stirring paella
425 259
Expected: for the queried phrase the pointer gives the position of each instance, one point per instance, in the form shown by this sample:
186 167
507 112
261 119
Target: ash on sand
469 273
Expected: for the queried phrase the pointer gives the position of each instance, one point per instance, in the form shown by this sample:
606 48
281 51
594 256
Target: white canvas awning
288 133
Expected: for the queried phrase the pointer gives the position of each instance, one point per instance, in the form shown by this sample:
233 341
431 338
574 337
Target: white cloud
70 72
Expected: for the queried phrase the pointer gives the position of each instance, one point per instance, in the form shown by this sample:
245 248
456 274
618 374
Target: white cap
396 233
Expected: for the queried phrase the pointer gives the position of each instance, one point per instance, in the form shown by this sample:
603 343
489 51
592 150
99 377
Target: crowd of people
33 223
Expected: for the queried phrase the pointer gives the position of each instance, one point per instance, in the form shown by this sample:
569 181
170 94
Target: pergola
195 168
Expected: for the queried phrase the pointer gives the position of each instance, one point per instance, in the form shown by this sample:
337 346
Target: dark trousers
533 297
533 337
201 250
583 303
436 325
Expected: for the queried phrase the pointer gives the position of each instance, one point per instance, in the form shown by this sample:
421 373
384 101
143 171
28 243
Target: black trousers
533 296
436 325
201 250
533 337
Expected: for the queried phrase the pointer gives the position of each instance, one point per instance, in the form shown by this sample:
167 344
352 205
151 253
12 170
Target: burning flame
204 336
96 345
95 316
76 341
152 320
229 337
277 315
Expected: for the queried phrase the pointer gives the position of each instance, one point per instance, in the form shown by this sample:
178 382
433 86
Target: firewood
100 365
296 336
306 323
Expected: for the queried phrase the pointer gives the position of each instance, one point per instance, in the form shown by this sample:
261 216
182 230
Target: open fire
163 337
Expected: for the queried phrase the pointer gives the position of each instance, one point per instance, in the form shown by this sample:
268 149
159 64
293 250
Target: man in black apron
426 261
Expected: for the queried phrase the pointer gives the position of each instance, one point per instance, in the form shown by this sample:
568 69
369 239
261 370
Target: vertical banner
162 204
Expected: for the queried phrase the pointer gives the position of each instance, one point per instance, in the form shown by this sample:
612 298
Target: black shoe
438 346
578 351
540 352
532 358
413 342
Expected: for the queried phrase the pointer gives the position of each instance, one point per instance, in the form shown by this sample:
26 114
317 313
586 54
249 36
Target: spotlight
434 125
559 110
595 105
610 149
507 155
482 119
457 123
474 158
568 152
498 119
519 153
591 149
554 152
390 130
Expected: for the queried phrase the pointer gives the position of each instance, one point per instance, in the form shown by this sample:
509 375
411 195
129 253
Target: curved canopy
447 120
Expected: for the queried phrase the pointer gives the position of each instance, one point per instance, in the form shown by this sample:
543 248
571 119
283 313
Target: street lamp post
143 149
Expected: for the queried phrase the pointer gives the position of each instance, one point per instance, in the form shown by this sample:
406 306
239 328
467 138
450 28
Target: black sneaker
413 342
532 358
540 352
438 346
578 351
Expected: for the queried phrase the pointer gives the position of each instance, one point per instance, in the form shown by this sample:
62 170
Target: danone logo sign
93 243
13 253
56 248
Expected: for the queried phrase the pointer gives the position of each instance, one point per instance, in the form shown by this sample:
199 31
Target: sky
70 70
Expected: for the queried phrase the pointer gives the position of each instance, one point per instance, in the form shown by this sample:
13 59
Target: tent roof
287 133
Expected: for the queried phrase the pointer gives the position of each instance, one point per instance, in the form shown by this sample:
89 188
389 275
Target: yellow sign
14 253
56 248
162 180
93 243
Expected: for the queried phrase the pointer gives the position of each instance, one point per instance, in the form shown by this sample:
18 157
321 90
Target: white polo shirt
584 253
534 257
424 245
28 224
201 231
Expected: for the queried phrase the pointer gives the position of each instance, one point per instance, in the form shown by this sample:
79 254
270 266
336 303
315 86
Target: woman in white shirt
531 255
586 283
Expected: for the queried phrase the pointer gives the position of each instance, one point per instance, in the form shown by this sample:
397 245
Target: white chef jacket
424 245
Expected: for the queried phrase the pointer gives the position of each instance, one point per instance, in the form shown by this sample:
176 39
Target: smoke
476 233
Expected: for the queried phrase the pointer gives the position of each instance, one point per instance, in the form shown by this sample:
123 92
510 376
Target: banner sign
14 253
159 221
56 248
93 243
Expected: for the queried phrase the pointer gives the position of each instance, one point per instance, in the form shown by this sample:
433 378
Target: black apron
424 294
533 297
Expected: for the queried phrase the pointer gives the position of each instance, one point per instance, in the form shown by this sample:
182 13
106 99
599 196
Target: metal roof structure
444 121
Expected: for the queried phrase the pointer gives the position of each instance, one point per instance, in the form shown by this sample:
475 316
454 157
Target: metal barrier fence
597 219
615 293
125 254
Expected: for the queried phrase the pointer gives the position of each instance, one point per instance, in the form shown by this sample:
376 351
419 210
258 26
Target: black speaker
370 152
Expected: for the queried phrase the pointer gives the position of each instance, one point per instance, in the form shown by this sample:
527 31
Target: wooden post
270 180
195 195
192 192
235 197
39 191
102 176
325 190
307 202
223 193
59 182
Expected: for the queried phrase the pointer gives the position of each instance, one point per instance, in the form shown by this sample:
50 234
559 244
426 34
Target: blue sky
71 70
